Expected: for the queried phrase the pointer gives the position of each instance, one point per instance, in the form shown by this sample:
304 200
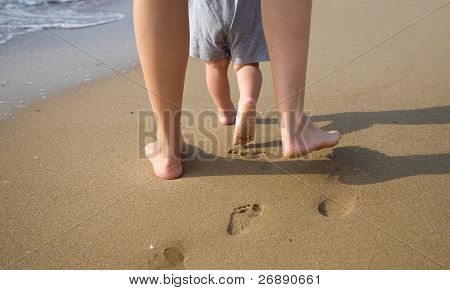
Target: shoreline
41 64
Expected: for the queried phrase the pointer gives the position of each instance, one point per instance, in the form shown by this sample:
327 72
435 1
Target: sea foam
22 16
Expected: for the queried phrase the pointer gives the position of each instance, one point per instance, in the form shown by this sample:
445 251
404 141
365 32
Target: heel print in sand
171 258
332 208
242 217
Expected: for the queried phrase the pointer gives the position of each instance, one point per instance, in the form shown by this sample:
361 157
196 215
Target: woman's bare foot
165 166
227 117
244 131
306 139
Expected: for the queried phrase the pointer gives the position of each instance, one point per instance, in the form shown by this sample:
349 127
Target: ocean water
22 16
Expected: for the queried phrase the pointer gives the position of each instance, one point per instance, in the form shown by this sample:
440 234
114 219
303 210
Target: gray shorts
227 29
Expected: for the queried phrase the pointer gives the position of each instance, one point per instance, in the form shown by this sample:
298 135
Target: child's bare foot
244 131
227 117
308 138
164 166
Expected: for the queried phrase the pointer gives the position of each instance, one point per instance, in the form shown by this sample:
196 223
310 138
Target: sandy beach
77 193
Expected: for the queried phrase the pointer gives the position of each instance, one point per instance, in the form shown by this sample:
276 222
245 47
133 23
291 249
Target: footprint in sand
242 217
171 258
332 208
250 153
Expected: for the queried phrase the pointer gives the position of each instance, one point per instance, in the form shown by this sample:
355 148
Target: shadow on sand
350 165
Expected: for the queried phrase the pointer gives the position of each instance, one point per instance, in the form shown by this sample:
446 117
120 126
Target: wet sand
37 65
76 192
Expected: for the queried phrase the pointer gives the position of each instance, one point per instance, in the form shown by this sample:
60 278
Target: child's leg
249 79
219 88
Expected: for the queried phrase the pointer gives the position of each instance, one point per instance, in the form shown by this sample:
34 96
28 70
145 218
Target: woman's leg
162 37
219 88
249 79
286 27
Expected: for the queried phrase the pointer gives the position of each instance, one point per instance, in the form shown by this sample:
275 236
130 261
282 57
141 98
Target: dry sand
76 193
